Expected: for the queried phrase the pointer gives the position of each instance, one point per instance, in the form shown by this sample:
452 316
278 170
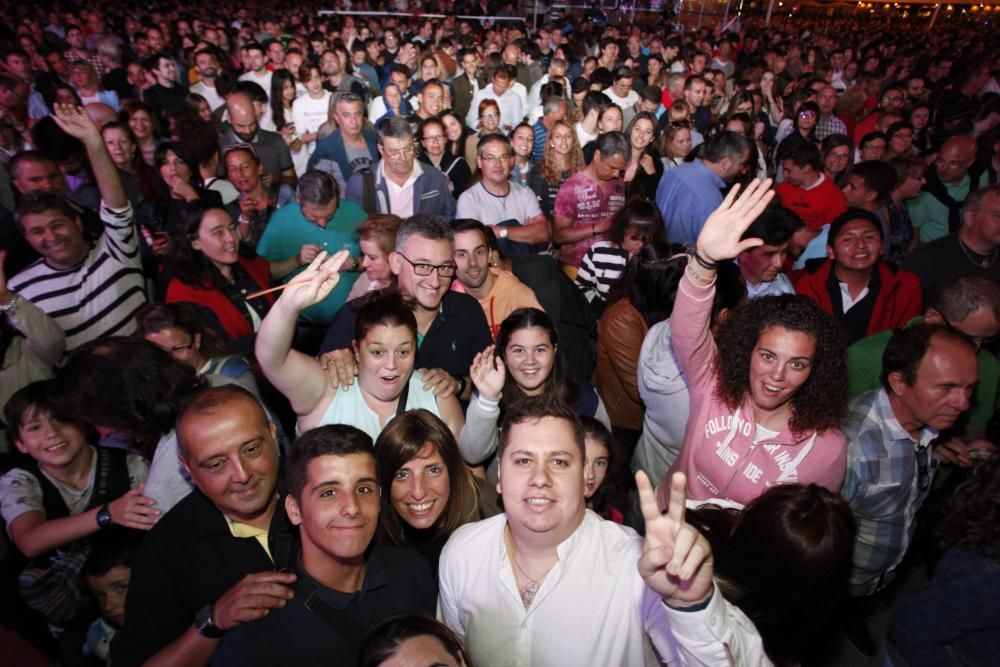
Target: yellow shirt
246 530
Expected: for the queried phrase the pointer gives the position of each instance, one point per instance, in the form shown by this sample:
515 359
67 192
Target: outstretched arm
298 376
75 122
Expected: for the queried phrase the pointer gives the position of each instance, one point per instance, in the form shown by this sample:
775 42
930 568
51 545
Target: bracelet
701 280
461 384
704 263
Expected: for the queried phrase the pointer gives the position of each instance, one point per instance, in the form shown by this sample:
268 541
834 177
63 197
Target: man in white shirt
550 583
556 72
511 107
207 66
620 91
256 70
496 200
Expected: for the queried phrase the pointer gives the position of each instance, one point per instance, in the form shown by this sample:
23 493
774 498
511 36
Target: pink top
586 203
720 456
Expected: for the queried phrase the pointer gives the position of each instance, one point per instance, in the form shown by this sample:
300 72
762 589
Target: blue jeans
958 614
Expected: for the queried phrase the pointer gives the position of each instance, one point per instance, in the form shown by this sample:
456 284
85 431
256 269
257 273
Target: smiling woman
385 346
209 273
430 492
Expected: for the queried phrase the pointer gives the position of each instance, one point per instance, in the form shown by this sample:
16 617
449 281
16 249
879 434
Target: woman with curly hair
561 158
768 398
957 619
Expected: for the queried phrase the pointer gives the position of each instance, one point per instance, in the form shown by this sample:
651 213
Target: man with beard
270 147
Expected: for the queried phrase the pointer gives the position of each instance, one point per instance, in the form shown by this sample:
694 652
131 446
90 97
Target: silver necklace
984 264
530 588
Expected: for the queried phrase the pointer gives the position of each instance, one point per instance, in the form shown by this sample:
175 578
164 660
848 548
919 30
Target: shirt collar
894 429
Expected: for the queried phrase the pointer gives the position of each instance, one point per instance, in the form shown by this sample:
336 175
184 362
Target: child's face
48 440
595 466
109 590
634 241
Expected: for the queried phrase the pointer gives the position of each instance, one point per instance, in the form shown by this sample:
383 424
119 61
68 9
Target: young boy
107 574
64 493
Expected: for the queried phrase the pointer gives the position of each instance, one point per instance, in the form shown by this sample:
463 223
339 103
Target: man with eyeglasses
496 200
398 184
451 327
938 209
929 375
892 101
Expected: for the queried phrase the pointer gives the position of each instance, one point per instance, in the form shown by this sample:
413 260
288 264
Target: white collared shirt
592 608
401 196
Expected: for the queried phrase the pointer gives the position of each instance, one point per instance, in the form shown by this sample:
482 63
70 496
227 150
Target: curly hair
821 402
973 516
550 171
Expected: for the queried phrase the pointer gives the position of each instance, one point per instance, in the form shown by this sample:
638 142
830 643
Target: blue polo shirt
686 196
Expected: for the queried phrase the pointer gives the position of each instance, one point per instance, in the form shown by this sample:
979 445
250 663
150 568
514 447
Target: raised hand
488 374
75 122
676 559
314 283
720 237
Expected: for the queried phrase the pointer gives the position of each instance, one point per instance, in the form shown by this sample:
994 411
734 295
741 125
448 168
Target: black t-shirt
941 261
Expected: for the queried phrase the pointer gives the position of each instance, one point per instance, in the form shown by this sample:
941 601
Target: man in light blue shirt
761 266
688 194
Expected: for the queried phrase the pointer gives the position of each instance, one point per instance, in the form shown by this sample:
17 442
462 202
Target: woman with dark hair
257 201
784 561
177 329
132 389
899 140
427 490
142 121
176 189
434 142
637 223
603 471
385 348
920 118
767 399
456 132
199 106
643 297
420 638
207 271
526 361
643 171
837 150
957 619
804 132
561 158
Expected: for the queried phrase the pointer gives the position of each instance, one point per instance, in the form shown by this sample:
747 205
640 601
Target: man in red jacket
864 294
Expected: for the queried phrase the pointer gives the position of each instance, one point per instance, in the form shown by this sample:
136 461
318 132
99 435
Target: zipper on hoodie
740 468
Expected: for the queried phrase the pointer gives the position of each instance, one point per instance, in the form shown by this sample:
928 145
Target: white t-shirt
21 492
264 81
520 204
583 136
622 102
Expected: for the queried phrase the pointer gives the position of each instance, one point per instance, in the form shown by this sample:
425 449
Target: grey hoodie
663 389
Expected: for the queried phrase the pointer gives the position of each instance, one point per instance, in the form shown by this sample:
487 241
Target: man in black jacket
217 559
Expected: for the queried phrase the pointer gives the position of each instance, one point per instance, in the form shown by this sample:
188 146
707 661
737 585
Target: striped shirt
98 297
883 487
601 268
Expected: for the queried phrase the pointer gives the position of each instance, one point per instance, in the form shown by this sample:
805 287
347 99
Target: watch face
104 518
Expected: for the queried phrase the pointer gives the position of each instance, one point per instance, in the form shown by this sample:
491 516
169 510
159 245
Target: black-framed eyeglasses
425 269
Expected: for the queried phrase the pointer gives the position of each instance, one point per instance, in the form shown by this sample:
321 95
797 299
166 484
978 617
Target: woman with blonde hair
561 158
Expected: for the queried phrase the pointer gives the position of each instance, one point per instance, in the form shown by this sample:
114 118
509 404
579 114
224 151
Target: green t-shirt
864 371
288 230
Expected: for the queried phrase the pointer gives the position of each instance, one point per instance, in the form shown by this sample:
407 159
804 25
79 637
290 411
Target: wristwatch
503 233
204 625
103 516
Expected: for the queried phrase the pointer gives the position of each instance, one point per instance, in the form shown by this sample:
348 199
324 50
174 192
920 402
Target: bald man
937 210
270 147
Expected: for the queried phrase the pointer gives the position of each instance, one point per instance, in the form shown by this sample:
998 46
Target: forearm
282 267
109 182
530 232
563 231
189 650
45 536
43 337
479 437
274 339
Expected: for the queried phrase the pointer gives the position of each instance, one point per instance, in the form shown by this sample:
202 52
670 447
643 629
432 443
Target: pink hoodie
719 456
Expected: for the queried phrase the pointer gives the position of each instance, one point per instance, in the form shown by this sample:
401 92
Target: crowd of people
382 339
